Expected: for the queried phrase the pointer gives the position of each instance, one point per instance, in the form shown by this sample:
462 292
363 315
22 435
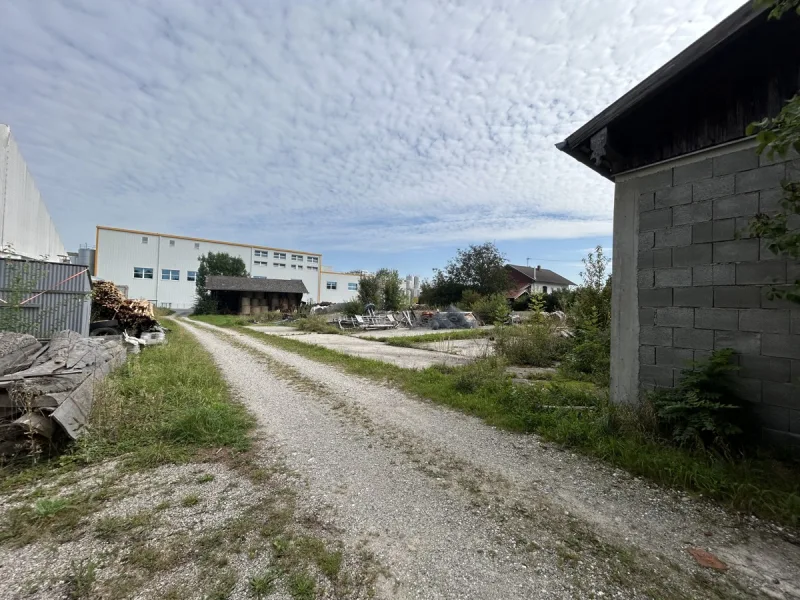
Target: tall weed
535 344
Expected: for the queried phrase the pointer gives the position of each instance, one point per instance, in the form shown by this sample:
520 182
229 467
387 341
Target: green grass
238 320
164 405
425 338
160 311
757 484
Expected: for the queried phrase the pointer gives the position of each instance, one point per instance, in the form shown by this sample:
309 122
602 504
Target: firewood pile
108 303
47 390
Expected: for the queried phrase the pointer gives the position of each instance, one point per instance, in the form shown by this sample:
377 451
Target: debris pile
453 318
109 304
49 389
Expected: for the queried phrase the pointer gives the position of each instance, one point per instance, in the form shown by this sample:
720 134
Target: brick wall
703 283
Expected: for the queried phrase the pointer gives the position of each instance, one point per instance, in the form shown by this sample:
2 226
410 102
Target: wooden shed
252 295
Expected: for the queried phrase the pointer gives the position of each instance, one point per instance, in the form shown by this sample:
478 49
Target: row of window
166 274
146 240
332 285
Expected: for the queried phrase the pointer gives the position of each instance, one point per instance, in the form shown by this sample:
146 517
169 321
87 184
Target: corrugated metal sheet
25 223
65 303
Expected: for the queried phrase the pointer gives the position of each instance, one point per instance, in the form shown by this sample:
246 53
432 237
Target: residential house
534 280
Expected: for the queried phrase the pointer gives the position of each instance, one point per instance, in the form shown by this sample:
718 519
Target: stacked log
108 303
53 392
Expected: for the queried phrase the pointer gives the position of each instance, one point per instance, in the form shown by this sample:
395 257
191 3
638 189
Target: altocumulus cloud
365 124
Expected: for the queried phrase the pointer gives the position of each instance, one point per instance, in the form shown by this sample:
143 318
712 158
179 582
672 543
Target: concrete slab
477 348
408 358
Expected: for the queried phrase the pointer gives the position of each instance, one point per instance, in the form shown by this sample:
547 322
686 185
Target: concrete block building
162 268
687 277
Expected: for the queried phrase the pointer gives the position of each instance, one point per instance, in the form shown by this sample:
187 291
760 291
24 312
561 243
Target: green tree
369 291
591 305
780 135
481 268
214 263
390 288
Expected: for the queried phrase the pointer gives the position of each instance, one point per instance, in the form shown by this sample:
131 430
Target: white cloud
371 125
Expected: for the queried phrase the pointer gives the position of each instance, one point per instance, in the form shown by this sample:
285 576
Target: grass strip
758 484
272 318
408 341
163 405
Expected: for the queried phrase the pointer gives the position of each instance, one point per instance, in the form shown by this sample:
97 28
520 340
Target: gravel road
453 508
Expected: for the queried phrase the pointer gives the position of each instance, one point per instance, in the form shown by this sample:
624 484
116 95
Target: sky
380 133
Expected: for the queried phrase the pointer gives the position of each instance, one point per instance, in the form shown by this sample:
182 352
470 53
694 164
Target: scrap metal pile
453 318
47 390
109 304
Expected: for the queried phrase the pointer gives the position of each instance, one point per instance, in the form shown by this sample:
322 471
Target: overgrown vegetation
163 405
780 135
491 310
579 415
704 412
315 324
534 343
383 289
264 318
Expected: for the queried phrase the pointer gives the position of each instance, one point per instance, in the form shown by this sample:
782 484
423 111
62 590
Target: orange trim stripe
193 239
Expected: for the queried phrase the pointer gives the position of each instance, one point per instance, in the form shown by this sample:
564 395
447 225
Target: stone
696 212
655 219
674 196
762 178
703 232
655 298
675 317
702 169
655 336
743 342
674 236
697 339
693 296
741 205
690 256
717 187
761 272
673 277
765 321
733 162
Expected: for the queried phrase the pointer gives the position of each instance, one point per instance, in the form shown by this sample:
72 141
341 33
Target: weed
222 587
302 586
190 500
81 579
47 507
315 324
265 318
163 406
205 478
263 585
111 528
533 343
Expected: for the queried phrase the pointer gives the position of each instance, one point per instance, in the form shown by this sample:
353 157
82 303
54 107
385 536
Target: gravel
409 358
457 509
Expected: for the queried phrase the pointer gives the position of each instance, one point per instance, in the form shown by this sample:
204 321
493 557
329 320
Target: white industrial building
339 287
26 228
162 268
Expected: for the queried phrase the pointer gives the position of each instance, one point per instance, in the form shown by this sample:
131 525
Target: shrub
704 410
590 354
315 324
489 372
533 343
491 309
352 308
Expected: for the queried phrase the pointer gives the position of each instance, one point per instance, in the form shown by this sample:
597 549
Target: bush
205 305
590 354
704 410
533 343
315 324
491 309
352 308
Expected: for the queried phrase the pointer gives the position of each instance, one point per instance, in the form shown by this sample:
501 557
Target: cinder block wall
703 283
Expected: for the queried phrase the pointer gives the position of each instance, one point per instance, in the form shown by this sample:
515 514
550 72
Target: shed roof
226 283
541 275
742 70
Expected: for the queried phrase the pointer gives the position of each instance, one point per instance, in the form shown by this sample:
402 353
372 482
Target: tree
369 290
480 268
591 305
779 135
219 263
391 288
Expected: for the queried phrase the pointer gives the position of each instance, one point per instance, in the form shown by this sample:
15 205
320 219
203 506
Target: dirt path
453 508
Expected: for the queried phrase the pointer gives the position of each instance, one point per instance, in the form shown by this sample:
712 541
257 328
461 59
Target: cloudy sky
379 133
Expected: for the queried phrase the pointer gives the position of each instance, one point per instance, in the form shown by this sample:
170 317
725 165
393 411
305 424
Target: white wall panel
341 293
25 222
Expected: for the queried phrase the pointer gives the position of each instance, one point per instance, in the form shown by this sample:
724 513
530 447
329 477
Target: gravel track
454 508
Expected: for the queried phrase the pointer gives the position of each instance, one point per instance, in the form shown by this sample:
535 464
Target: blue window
142 273
191 275
352 287
170 275
331 285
